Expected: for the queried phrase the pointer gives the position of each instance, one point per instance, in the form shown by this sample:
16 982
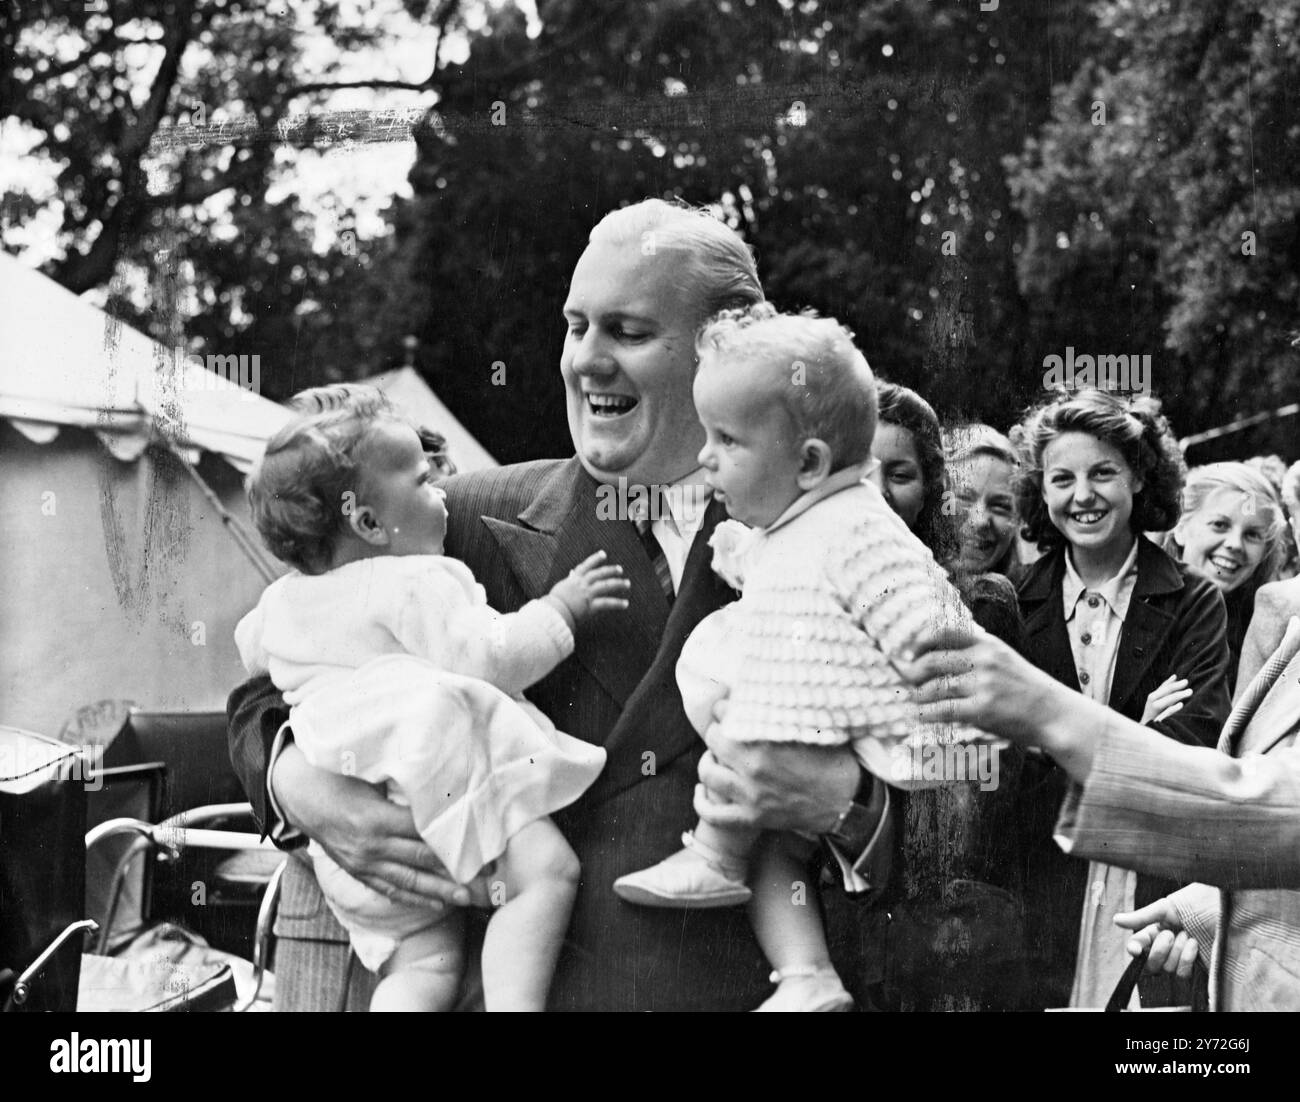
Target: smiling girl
1110 614
982 469
1230 533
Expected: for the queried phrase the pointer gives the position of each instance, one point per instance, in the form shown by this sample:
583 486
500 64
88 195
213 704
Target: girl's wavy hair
898 405
299 488
966 442
1134 427
1210 478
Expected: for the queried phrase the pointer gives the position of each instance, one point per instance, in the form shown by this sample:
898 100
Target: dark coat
521 529
1176 624
951 919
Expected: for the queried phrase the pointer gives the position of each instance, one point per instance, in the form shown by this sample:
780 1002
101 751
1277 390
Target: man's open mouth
609 405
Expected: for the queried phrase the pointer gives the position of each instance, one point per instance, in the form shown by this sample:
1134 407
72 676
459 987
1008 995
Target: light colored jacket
1230 817
1275 604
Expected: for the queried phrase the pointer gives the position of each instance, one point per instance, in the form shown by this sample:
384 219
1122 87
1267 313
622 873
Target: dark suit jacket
954 936
1176 624
521 529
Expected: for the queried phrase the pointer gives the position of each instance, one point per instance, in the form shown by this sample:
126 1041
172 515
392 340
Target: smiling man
650 275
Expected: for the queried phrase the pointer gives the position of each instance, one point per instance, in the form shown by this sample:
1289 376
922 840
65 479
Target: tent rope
1236 426
239 533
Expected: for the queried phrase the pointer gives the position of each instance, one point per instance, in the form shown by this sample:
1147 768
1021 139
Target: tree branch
446 12
140 133
441 20
194 190
326 86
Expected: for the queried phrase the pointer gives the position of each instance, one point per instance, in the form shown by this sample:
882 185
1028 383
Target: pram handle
23 985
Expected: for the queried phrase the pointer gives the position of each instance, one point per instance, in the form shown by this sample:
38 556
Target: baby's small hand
591 587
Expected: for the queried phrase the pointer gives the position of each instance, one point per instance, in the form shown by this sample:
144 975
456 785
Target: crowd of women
1081 539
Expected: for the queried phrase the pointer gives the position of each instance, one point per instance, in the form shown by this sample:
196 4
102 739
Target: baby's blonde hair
827 385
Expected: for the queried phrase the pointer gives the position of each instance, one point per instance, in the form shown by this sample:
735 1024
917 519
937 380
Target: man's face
628 362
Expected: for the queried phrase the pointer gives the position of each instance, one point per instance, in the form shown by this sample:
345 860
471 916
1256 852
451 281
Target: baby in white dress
397 671
833 587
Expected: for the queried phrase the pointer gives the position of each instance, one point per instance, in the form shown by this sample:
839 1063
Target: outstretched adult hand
966 675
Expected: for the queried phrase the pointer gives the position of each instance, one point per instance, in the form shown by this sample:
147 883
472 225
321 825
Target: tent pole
232 524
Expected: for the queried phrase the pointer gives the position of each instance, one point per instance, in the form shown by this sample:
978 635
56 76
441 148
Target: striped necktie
644 529
1260 686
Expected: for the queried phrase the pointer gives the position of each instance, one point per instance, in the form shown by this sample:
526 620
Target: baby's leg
734 843
785 913
538 874
423 974
787 920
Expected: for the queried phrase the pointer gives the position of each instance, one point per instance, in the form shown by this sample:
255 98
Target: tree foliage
856 146
1162 204
933 175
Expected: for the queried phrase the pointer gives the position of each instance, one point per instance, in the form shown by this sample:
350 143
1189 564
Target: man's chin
612 468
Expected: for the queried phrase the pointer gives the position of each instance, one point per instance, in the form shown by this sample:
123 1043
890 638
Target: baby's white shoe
807 990
695 877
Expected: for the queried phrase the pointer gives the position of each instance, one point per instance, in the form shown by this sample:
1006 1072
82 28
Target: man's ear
814 463
366 526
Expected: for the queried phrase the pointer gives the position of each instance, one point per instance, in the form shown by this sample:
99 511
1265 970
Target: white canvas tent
119 582
416 401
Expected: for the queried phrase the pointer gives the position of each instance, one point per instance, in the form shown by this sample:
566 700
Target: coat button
1083 677
1085 638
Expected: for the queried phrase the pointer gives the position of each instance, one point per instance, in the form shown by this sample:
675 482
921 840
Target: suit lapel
564 524
653 719
1275 669
1277 716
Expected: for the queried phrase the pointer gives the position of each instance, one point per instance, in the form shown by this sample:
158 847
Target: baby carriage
132 877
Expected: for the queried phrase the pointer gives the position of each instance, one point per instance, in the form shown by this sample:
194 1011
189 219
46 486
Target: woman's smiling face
986 510
1088 488
1226 539
899 475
